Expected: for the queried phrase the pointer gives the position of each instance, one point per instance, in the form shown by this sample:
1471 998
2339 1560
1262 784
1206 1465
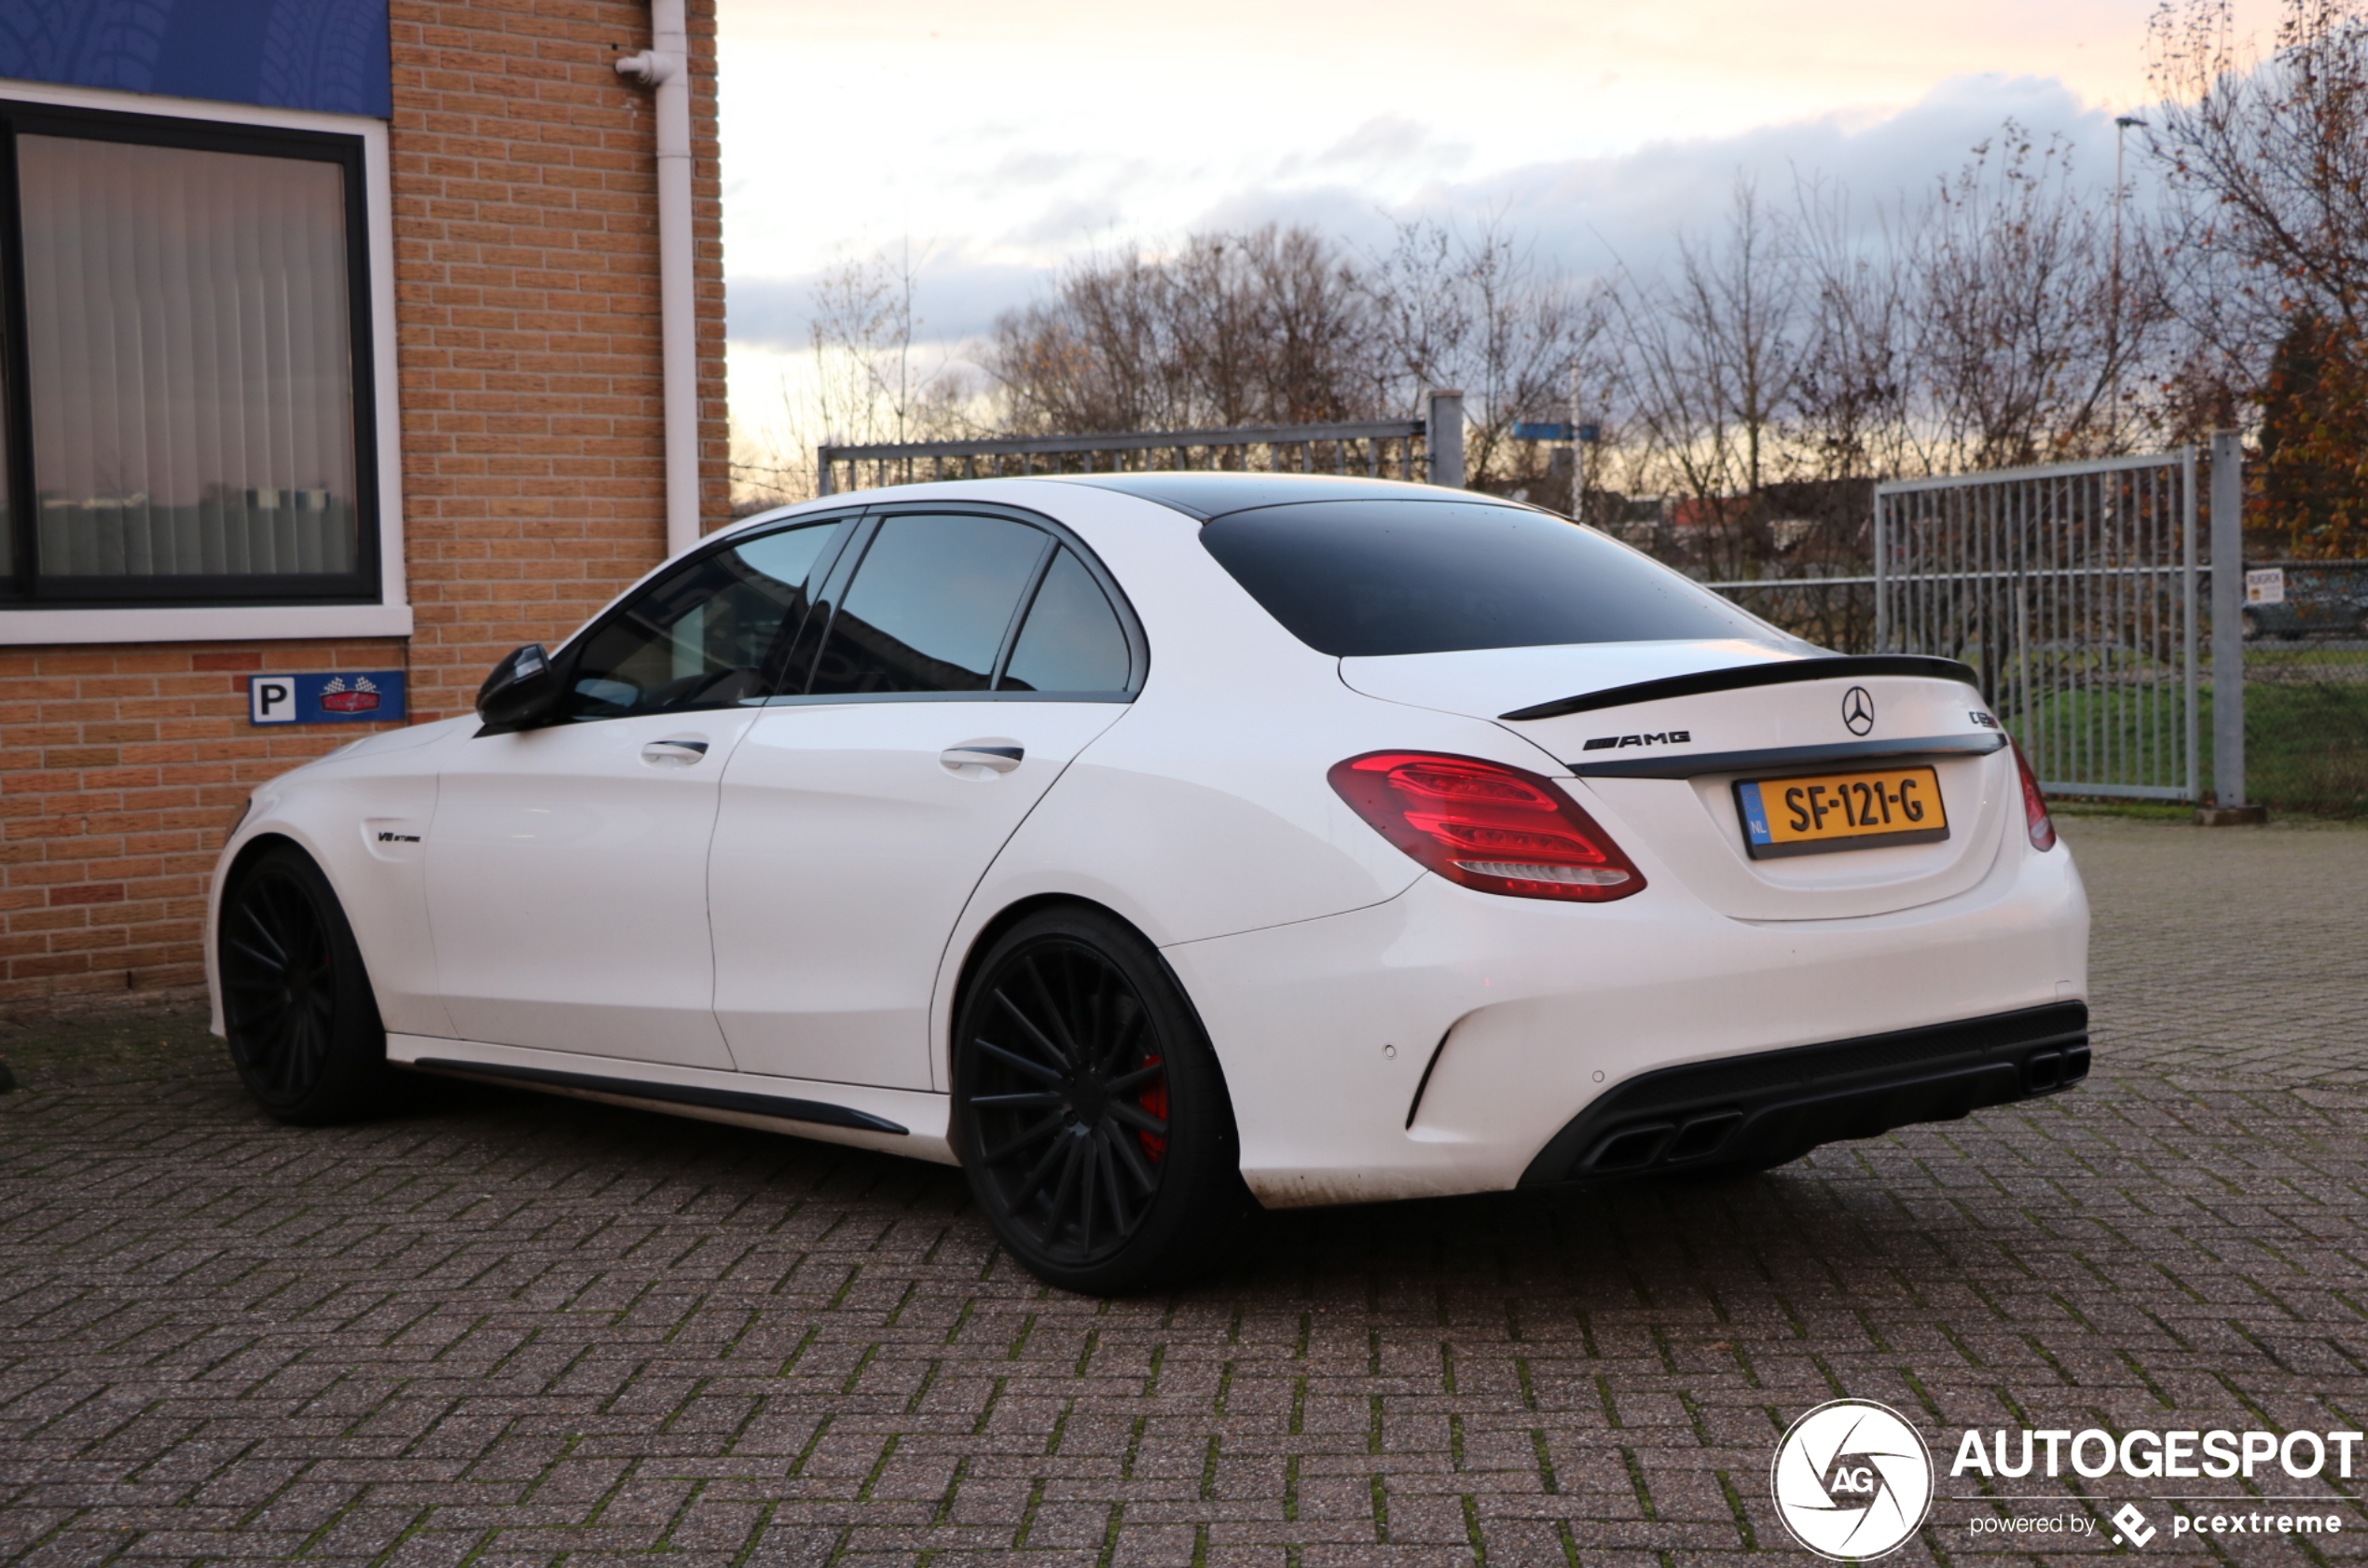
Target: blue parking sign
329 696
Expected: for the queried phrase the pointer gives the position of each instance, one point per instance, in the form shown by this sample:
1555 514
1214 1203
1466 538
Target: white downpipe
666 65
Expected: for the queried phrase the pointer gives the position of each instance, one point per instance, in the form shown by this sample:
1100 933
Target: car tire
296 1005
1089 1110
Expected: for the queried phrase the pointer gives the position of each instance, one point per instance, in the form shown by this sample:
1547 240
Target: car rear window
1360 578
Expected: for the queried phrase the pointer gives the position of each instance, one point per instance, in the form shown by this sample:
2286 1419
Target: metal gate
2071 589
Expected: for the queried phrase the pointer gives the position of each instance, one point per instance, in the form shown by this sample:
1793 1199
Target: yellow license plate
1830 811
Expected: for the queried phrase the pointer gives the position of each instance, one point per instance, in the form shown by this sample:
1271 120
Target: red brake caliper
1154 1101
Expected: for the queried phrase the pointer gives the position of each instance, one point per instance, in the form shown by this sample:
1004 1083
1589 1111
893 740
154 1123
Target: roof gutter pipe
666 65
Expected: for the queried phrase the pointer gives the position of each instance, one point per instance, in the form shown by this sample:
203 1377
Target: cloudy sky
997 138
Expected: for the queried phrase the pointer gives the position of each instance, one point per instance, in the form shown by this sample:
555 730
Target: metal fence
2072 589
1836 613
1426 448
2305 655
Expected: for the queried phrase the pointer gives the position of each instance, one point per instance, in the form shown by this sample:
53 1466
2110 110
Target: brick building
330 341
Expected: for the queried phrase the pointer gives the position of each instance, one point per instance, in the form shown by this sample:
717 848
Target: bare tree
1278 326
2274 150
1475 310
868 377
871 384
1713 356
2269 155
1854 392
1267 327
2030 333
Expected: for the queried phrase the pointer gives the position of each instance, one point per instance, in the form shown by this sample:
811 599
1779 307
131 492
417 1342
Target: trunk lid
1658 734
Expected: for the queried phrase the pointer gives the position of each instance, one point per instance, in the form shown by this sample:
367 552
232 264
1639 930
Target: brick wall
135 762
533 461
525 253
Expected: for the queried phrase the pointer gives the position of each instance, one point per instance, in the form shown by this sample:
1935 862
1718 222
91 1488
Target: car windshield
1366 577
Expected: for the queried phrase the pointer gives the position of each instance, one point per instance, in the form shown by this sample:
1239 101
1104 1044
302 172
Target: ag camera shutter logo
1852 1479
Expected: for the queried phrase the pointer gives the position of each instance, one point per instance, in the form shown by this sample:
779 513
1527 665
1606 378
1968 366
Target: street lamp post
2112 329
1578 453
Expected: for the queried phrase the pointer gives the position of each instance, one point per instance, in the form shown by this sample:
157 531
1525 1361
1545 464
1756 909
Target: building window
187 367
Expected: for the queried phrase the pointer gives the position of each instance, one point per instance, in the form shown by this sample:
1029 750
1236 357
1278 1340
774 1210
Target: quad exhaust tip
1670 1142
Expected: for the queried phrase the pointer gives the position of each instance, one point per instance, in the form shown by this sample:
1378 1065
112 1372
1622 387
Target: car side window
929 606
700 636
1072 640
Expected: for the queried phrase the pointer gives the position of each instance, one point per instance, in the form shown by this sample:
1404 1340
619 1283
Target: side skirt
892 1120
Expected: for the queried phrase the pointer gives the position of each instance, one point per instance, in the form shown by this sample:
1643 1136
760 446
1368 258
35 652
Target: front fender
363 816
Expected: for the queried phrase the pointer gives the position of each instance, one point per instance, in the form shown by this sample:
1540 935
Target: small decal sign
371 696
2267 586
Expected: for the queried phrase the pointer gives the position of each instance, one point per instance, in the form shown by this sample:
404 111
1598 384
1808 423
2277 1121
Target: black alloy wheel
1089 1109
303 1025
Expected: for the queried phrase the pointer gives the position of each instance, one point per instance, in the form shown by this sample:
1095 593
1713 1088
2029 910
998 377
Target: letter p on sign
271 700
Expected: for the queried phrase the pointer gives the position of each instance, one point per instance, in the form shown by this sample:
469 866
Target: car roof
1208 495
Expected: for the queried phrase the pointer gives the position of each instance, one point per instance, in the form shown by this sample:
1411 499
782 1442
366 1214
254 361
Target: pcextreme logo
1853 1479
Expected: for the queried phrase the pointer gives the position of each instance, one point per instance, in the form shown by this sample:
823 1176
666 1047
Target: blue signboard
328 697
1531 431
290 54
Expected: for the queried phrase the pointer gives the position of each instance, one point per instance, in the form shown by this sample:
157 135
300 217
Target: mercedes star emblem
1858 711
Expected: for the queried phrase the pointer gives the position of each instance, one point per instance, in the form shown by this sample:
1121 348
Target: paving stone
506 1329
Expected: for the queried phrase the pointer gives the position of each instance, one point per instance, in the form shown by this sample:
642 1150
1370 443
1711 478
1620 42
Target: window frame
836 567
848 564
848 523
372 601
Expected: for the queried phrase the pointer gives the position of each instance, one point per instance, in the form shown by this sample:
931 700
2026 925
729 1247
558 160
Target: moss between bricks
65 1048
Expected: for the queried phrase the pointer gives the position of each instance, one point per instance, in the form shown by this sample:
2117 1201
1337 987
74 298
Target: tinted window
1366 577
699 637
929 606
1072 640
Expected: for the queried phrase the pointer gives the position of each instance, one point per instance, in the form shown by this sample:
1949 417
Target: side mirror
522 691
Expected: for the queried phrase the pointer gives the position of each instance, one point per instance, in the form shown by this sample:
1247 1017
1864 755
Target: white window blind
190 337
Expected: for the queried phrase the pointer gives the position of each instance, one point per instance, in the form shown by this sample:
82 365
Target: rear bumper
1439 1042
1772 1105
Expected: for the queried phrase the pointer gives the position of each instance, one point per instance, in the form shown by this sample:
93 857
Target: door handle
674 751
994 756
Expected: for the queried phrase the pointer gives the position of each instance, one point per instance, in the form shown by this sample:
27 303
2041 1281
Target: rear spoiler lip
1933 747
1836 666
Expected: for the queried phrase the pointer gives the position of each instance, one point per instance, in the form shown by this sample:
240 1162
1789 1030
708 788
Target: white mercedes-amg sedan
1158 845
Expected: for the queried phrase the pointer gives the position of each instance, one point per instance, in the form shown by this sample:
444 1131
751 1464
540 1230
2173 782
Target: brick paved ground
506 1329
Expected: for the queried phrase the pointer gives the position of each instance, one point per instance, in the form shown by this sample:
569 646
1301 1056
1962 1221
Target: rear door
967 657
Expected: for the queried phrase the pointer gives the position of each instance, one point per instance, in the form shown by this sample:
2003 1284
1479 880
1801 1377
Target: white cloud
958 298
1020 129
1583 215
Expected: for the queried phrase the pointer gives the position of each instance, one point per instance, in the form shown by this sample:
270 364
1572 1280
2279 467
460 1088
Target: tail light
2042 826
1487 826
